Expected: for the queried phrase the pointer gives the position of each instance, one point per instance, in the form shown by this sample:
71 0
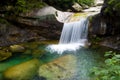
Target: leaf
117 56
109 53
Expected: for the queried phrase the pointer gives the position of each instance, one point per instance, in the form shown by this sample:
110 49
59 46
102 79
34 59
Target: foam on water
60 48
73 36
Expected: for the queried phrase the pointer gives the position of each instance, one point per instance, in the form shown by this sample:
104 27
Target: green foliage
3 21
111 70
86 2
26 5
113 7
20 6
15 7
67 4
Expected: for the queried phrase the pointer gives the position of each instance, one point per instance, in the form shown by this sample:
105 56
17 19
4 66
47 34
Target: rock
32 27
99 2
23 71
4 55
38 53
45 11
77 7
87 44
85 6
17 48
62 68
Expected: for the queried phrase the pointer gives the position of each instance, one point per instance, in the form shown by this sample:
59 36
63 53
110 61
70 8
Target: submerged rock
38 53
4 55
23 71
62 68
17 48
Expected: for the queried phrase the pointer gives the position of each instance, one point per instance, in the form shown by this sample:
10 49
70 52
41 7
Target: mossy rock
38 53
17 48
31 45
23 71
4 55
28 51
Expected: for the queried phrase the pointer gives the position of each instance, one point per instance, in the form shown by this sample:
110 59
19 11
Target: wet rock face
103 27
110 12
106 24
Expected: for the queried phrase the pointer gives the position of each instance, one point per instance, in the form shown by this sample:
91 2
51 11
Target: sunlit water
86 60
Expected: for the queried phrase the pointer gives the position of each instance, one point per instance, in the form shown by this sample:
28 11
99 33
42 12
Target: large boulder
23 71
63 68
4 55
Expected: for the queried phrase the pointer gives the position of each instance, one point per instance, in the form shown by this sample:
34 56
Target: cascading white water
74 32
73 36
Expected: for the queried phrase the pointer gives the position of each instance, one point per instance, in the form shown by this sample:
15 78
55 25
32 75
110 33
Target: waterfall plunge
74 32
73 36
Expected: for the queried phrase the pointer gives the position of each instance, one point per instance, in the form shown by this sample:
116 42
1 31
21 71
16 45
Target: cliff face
108 20
30 27
106 25
110 13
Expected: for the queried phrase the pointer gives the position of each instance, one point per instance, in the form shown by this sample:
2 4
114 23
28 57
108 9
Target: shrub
86 2
111 70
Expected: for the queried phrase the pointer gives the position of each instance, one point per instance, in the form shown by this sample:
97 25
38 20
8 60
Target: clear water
87 58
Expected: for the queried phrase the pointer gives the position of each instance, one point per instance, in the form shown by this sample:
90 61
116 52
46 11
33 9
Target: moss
24 71
37 53
95 40
4 55
49 42
28 51
34 49
79 14
90 19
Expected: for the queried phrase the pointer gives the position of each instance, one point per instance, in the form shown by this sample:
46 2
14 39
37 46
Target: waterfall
74 32
73 36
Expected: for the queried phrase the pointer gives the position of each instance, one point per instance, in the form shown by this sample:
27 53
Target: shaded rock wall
23 29
106 25
108 19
